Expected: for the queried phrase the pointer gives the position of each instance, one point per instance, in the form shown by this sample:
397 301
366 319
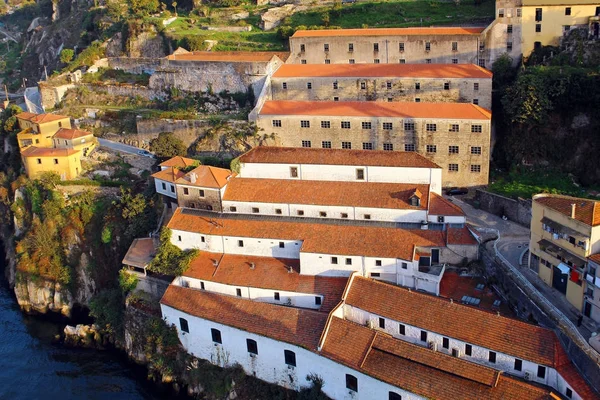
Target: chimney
193 177
252 265
573 206
215 263
290 269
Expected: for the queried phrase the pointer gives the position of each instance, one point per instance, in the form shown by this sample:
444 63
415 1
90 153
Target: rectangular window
401 46
366 125
238 292
427 46
186 191
277 123
294 172
350 47
255 210
409 126
509 29
360 174
409 147
404 265
202 286
481 62
388 146
318 300
363 85
538 28
351 61
56 161
446 343
428 61
203 239
476 128
452 149
382 323
302 48
567 10
348 261
376 61
367 216
326 47
344 215
538 14
417 85
375 46
375 274
430 127
252 346
501 13
300 212
388 126
309 85
519 12
492 357
402 61
325 124
278 211
476 150
541 372
468 349
345 124
284 85
476 101
306 143
402 329
388 85
183 325
172 189
423 336
282 245
164 185
304 124
335 85
276 296
290 358
453 128
453 167
179 238
454 46
216 335
569 393
455 61
240 243
233 209
322 214
327 61
518 365
476 86
446 85
367 146
326 144
431 148
346 145
351 383
334 260
508 46
201 192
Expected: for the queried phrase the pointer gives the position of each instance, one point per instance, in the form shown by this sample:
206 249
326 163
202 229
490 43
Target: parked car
456 191
145 153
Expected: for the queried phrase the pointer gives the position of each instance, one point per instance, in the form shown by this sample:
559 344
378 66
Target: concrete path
116 146
33 100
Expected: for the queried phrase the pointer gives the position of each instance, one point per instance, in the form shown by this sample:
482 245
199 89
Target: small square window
360 174
388 126
294 172
481 62
389 99
276 296
567 10
306 143
441 219
344 215
334 260
345 124
233 209
376 61
347 145
417 100
409 126
404 265
277 123
446 85
325 124
322 214
255 210
476 150
452 149
367 146
402 61
417 85
476 101
278 211
453 167
476 129
428 61
282 245
431 148
569 393
367 216
409 147
351 61
326 144
304 124
216 335
302 61
431 127
455 61
240 243
327 61
366 125
378 263
388 146
348 261
318 300
300 212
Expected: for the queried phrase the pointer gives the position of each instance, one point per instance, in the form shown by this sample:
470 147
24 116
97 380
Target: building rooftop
327 193
441 206
471 325
206 176
595 258
180 162
414 110
265 273
389 32
317 238
229 56
427 373
171 174
382 70
70 134
141 252
586 211
33 151
359 158
287 324
40 118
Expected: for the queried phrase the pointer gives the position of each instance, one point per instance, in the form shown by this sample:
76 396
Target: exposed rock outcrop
273 17
38 295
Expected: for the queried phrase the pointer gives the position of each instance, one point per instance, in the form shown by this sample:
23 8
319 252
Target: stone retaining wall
515 210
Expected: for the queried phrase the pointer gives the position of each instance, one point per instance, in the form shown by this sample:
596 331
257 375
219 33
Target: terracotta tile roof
390 32
141 252
461 236
455 320
265 273
303 155
70 134
466 111
586 211
287 324
229 56
441 206
326 193
382 70
170 174
179 162
40 118
424 372
206 176
33 151
575 380
595 258
317 238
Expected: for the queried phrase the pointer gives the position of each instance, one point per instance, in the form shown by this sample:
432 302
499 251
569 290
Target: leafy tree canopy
167 145
170 259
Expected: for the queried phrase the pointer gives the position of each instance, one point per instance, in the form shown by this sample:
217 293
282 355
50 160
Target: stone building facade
201 198
447 45
463 83
453 135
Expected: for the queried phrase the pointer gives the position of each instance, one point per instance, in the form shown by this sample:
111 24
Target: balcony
561 254
566 237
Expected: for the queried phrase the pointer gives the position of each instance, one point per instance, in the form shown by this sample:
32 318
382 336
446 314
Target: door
435 256
587 309
559 280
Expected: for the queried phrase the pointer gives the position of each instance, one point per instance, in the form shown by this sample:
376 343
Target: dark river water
32 367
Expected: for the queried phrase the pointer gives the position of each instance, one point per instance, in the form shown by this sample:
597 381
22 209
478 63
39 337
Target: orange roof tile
326 193
33 151
454 320
206 176
389 32
229 56
141 252
586 211
441 206
376 109
287 324
170 174
304 155
595 258
265 273
40 118
461 236
180 162
317 238
70 134
575 380
382 70
419 370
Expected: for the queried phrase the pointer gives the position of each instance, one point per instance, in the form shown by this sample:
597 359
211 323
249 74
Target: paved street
124 148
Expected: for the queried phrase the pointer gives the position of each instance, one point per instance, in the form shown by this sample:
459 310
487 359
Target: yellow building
65 162
544 22
76 139
564 232
38 129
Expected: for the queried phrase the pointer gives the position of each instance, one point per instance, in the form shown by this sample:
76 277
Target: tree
174 4
504 73
66 56
325 18
167 145
144 7
170 259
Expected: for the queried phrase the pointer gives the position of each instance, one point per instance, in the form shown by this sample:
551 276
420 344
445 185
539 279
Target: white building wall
321 264
243 207
169 188
447 219
190 240
262 247
269 365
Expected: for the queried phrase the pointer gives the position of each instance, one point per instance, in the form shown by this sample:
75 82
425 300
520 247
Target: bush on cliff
170 259
167 145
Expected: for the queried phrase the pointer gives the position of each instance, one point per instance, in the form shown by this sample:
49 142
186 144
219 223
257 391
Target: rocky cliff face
43 296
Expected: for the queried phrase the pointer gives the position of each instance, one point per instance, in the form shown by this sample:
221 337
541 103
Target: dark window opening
216 335
252 346
183 325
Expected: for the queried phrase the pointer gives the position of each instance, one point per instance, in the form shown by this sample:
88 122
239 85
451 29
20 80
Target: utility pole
46 72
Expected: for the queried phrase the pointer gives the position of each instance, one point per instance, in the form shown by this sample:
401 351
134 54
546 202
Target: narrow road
33 100
116 146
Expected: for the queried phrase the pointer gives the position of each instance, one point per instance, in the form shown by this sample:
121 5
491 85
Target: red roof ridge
450 30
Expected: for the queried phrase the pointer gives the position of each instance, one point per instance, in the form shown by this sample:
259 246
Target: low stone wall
515 210
134 91
133 65
153 286
51 96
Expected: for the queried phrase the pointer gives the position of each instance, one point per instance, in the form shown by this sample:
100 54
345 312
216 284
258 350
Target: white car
145 153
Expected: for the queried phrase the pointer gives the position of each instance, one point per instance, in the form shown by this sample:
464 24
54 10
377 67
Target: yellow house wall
37 139
89 143
553 22
41 132
575 294
68 167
